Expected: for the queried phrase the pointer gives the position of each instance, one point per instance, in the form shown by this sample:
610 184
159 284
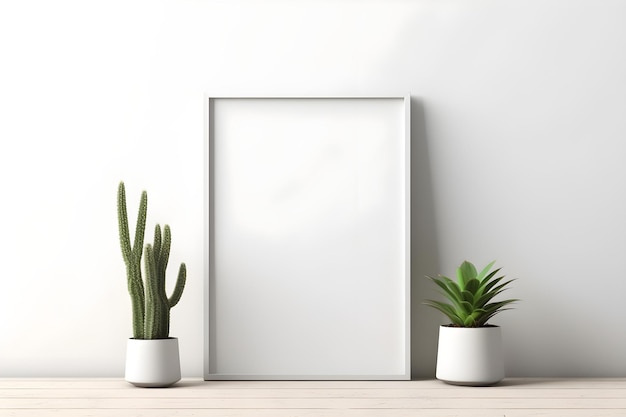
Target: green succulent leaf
464 273
485 270
487 285
446 309
468 307
472 285
470 321
468 298
451 291
486 279
485 298
456 293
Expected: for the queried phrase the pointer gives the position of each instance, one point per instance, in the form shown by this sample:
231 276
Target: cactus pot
152 363
470 356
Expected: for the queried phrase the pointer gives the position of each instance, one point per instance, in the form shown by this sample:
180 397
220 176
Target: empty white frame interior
308 238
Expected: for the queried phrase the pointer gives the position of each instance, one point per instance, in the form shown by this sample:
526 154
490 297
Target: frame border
208 244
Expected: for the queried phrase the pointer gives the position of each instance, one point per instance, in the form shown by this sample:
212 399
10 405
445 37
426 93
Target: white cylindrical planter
152 363
470 356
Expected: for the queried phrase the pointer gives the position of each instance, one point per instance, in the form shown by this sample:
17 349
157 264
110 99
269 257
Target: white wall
519 137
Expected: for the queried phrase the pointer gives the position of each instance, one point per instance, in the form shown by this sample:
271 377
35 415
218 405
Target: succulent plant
471 295
150 304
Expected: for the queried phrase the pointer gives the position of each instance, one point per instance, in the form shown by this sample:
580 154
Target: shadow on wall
424 249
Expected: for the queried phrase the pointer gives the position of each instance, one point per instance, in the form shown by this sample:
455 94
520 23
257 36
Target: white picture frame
307 238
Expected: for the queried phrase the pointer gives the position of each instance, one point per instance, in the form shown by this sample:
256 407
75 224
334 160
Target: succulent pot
470 356
152 363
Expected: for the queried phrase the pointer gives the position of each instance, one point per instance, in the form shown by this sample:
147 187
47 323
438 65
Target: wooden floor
194 397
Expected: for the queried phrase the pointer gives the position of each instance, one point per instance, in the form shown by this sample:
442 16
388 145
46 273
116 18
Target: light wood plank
226 393
509 383
155 412
316 403
193 397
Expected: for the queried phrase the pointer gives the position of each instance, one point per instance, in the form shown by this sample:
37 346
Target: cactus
150 304
158 305
132 257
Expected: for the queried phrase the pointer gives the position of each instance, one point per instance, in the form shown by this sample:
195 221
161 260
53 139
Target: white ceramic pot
152 363
470 356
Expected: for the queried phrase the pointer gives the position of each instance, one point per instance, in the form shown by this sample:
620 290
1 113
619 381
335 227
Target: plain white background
519 140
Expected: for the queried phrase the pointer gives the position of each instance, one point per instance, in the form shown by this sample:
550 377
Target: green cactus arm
122 219
156 246
133 264
180 286
160 300
135 288
137 297
152 295
165 250
140 227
